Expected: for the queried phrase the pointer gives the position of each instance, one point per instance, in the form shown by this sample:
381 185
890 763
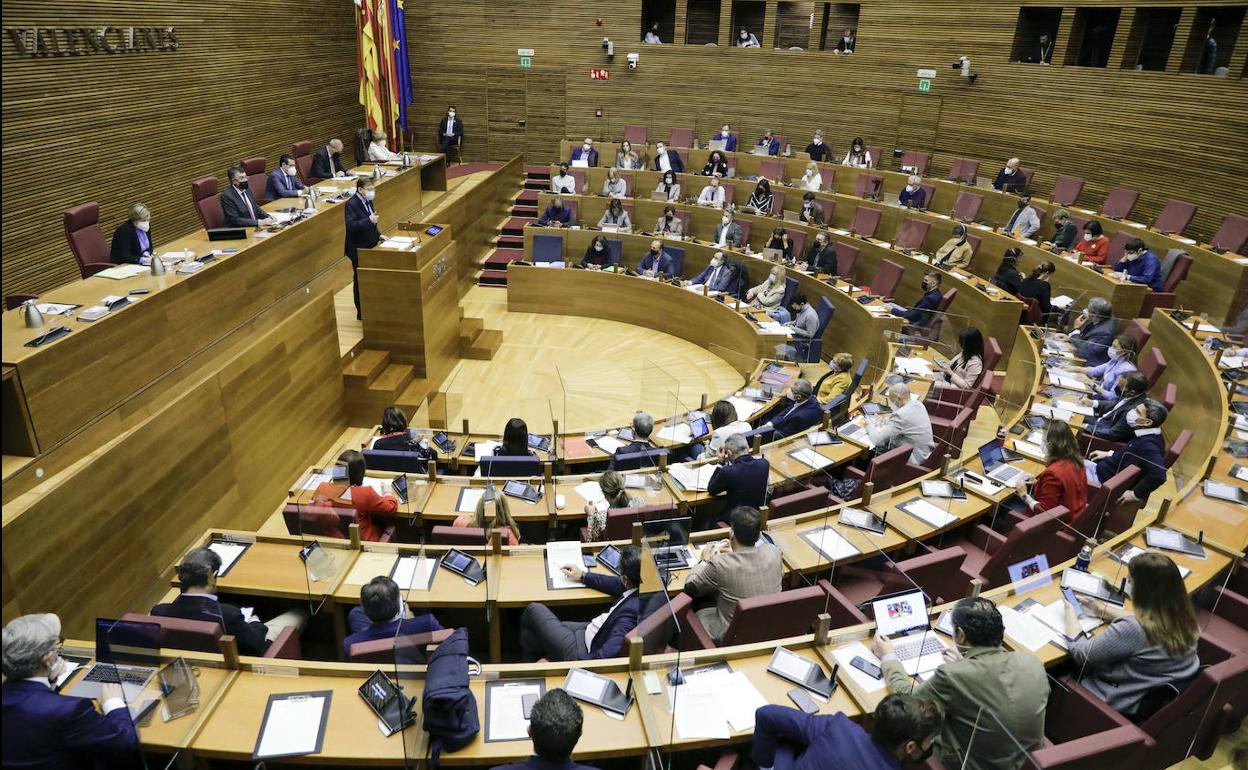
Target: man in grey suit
727 232
908 424
735 569
994 700
804 325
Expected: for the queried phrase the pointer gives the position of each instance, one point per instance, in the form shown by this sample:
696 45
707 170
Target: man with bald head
801 410
907 425
1011 179
327 162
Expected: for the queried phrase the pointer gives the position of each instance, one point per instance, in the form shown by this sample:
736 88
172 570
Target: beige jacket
733 576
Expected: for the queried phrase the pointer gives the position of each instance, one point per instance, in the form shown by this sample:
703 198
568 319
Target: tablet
609 557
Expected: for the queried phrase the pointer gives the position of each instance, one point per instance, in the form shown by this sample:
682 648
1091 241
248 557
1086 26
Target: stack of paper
679 433
1061 301
692 479
468 499
1045 410
829 543
1024 630
56 308
609 444
559 553
744 406
1029 450
506 710
913 366
121 272
772 327
412 573
486 448
292 725
1054 617
590 490
698 706
1073 406
809 457
1228 362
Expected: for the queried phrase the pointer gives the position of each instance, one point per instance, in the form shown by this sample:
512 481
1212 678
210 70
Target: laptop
658 195
717 144
995 458
759 149
902 618
773 255
792 216
126 652
669 541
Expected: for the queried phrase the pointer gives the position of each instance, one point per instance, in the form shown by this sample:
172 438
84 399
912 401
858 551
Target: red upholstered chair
809 499
866 221
846 259
777 203
573 205
1166 297
302 153
1170 397
917 161
967 205
772 169
1066 190
1028 173
1104 513
181 634
745 229
992 353
443 535
14 301
868 186
656 631
1231 233
886 278
730 191
686 220
1117 245
929 194
828 174
683 154
86 239
974 240
1177 447
964 170
636 134
946 401
843 611
877 156
888 469
207 204
1032 313
1223 618
938 574
949 434
989 553
620 521
783 140
798 237
1120 202
759 619
627 176
931 331
381 651
256 179
910 234
325 521
1175 217
1152 364
578 176
681 137
1138 332
628 209
1082 732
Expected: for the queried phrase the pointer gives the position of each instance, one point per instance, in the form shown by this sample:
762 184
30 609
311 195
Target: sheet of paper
56 308
122 271
742 699
1053 616
809 457
744 406
679 433
559 553
690 478
609 444
847 653
698 705
1045 410
412 573
829 542
486 448
932 514
1067 383
468 499
917 367
1061 301
1073 406
315 480
292 727
1226 362
1025 630
1029 450
368 565
507 722
590 491
229 553
771 327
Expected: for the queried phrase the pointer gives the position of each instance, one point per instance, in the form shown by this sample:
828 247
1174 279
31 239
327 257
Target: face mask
857 148
725 220
585 147
714 263
1115 353
1087 236
668 217
450 114
818 140
241 185
772 278
1133 419
806 205
1022 204
368 194
143 225
57 669
744 36
292 170
911 187
598 247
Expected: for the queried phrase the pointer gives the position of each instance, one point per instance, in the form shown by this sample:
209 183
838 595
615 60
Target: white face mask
598 247
585 146
1087 236
450 114
368 194
1008 170
726 220
1133 419
745 36
662 149
806 205
1115 353
57 669
714 263
911 187
143 225
818 140
292 170
723 132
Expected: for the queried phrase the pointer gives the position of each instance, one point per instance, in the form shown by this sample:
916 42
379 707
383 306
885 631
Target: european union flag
402 70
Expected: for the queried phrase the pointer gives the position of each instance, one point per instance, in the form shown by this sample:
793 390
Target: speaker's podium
409 298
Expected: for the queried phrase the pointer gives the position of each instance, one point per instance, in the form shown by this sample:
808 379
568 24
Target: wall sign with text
599 74
81 41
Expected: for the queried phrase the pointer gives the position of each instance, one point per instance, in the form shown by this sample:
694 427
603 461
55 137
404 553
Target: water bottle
1084 558
376 171
30 311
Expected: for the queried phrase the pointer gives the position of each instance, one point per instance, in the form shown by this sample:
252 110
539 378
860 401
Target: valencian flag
385 79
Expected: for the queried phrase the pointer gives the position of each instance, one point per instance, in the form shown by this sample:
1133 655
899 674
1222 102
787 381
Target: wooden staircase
373 382
476 341
509 245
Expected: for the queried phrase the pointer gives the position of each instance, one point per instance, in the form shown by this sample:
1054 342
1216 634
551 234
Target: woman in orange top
363 499
1094 246
500 519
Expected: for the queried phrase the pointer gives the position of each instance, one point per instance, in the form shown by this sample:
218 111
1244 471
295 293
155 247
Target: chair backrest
382 651
181 634
946 300
1032 314
1100 498
846 258
889 469
859 373
1027 173
86 239
444 535
828 175
887 276
964 170
1170 395
774 616
910 234
363 136
1032 536
790 288
868 185
938 573
686 221
1152 364
877 160
1083 733
302 153
615 249
842 610
1120 202
967 205
866 220
929 193
798 237
395 461
917 161
824 311
578 178
809 499
1138 332
974 241
627 176
320 520
657 629
1177 447
620 521
1231 233
1117 245
498 466
631 461
256 180
777 203
678 259
207 204
992 353
771 169
573 206
1178 271
1175 216
1066 190
13 301
1194 717
958 428
547 248
635 134
681 137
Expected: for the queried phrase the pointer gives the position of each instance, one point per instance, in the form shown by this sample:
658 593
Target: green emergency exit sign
925 85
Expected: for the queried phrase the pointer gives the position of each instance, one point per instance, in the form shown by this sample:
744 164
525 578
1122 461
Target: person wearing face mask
908 424
1008 276
1139 265
847 42
666 160
746 39
904 730
1063 481
1094 247
817 150
812 212
383 614
1024 222
132 240
557 214
954 253
760 199
44 729
921 313
712 195
669 186
378 151
768 294
327 161
725 136
770 141
652 35
239 206
1110 417
780 240
614 186
1064 232
657 263
858 156
450 131
597 255
820 258
586 153
1104 378
617 216
980 677
812 180
727 232
284 182
1094 331
1146 449
1011 179
717 277
1036 286
563 183
362 231
626 158
715 166
913 195
669 223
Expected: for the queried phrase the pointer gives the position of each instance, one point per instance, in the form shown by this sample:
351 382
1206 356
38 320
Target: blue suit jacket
742 482
666 266
49 731
722 282
361 233
787 739
553 214
773 148
1146 270
1092 345
673 157
730 142
795 419
591 157
364 630
921 313
611 639
1148 452
282 185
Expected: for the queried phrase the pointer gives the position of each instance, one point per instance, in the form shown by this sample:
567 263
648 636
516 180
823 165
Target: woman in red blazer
1063 482
363 499
1094 246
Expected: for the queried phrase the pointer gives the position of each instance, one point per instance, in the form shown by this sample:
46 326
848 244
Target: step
470 327
537 185
413 396
524 211
540 171
527 196
509 242
493 278
365 367
485 345
393 379
515 225
501 258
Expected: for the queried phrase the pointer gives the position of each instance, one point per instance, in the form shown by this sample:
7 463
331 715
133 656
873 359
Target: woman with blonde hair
498 517
1153 645
615 495
812 180
836 381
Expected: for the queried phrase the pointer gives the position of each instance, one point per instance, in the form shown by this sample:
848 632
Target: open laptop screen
127 642
662 533
990 454
900 613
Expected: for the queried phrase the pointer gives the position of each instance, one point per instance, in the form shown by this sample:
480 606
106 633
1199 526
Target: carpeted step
515 225
493 278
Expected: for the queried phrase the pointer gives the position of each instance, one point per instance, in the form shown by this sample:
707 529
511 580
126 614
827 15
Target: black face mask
241 185
654 252
1022 204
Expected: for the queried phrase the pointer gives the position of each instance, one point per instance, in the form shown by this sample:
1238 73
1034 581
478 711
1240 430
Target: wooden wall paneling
545 92
506 102
130 127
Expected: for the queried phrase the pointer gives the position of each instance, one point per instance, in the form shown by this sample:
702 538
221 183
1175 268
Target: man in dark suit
362 231
586 152
1011 179
643 426
240 207
741 478
801 412
132 240
657 263
1111 416
921 313
198 601
284 181
717 276
49 731
327 162
543 635
555 727
450 131
557 214
667 160
821 256
383 615
1146 449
